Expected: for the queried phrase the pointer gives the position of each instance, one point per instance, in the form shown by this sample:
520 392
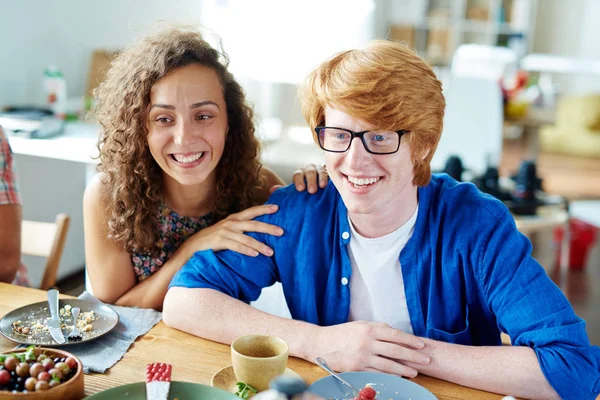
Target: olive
56 360
30 384
36 368
23 369
10 363
48 364
53 383
41 357
71 362
41 385
63 367
4 377
44 376
55 372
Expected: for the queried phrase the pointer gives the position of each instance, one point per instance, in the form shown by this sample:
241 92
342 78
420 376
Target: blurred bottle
55 87
526 181
454 168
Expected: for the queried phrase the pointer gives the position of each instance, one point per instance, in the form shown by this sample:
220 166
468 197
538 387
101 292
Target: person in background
11 269
391 268
179 168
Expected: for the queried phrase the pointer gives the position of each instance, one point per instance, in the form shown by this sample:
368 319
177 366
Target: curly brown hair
387 85
132 178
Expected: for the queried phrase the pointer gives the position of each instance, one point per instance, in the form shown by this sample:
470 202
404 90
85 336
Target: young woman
179 168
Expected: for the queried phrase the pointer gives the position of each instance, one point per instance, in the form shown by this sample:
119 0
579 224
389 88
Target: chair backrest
46 239
473 124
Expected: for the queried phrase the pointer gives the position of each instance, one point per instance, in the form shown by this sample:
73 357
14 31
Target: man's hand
369 346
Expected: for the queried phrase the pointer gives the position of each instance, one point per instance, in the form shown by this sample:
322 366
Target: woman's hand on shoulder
229 234
310 176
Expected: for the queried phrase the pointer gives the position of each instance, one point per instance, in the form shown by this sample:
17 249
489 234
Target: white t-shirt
377 286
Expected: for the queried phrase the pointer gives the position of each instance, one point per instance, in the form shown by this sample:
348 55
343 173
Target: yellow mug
257 359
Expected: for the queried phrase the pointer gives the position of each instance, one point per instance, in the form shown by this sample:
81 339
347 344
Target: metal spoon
321 363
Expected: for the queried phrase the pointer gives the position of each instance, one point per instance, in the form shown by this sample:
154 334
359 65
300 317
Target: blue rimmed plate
388 387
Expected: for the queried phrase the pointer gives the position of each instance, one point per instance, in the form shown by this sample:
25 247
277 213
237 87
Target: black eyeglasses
338 140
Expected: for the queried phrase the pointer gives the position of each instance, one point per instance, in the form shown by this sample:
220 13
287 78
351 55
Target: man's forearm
213 315
512 370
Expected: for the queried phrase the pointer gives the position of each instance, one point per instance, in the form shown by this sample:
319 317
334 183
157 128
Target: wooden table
194 359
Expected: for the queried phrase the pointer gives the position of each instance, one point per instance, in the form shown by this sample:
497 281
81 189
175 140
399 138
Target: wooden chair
46 239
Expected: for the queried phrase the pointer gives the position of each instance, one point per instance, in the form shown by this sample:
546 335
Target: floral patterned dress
173 230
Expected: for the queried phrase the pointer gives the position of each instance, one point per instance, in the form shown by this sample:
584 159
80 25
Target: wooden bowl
72 389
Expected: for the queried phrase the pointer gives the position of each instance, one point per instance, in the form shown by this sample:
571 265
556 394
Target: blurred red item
583 237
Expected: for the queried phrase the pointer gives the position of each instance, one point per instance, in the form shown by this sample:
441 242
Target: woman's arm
109 264
10 241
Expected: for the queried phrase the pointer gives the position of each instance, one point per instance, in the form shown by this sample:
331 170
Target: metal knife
54 321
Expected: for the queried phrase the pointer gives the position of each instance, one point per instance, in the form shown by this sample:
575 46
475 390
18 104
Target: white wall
36 33
571 29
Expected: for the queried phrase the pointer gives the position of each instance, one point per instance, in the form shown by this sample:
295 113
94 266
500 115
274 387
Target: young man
389 268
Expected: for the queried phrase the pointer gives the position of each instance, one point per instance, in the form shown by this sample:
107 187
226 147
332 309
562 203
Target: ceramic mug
257 359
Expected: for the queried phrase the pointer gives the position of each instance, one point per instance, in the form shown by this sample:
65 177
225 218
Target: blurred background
522 80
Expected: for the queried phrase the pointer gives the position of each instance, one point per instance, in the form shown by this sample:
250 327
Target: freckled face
369 183
187 124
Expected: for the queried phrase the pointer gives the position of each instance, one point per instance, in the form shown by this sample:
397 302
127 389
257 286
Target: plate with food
382 386
29 324
178 390
40 373
158 385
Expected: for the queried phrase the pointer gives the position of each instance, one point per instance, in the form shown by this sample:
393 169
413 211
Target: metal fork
75 333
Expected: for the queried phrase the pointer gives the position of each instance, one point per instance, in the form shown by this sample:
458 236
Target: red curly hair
385 85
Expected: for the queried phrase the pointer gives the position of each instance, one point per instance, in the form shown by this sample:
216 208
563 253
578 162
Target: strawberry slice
158 381
367 393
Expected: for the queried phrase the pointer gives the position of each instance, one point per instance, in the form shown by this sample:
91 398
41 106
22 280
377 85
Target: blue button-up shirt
468 275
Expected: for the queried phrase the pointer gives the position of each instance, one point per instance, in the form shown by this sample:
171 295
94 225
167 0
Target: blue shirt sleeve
234 274
533 311
237 275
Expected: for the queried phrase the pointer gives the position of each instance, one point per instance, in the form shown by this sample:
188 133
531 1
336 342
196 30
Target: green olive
30 384
41 385
23 369
36 368
10 363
